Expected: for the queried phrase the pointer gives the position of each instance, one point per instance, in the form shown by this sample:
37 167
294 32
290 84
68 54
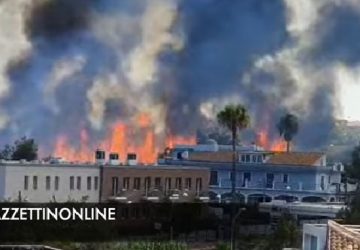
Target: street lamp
233 224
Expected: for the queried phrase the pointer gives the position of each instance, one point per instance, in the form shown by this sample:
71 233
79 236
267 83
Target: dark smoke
55 18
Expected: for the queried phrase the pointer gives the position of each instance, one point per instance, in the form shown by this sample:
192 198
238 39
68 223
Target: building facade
39 182
265 176
65 182
154 183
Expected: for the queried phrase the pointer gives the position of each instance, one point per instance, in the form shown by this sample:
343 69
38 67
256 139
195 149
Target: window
259 159
78 183
35 182
137 183
147 183
72 182
114 186
178 183
213 178
247 158
157 182
286 178
242 158
246 179
47 182
254 158
57 179
167 184
96 183
322 183
126 183
270 180
26 182
329 179
198 185
88 182
188 183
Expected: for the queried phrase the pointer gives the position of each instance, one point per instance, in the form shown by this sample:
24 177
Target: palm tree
288 127
235 118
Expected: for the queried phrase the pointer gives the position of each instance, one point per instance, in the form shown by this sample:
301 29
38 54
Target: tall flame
122 139
277 145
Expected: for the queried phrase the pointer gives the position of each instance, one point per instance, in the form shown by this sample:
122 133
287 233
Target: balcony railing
291 186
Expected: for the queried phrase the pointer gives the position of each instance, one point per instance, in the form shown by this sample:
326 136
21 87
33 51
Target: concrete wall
2 181
15 175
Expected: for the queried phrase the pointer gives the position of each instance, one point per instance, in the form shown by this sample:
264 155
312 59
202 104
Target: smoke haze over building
69 66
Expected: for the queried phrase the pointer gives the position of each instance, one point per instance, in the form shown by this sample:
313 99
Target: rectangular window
88 183
214 178
322 184
242 158
137 183
47 182
188 183
157 182
254 158
247 158
96 183
26 182
57 180
35 182
167 184
114 186
126 183
286 178
147 183
198 185
78 183
178 183
269 180
72 182
246 178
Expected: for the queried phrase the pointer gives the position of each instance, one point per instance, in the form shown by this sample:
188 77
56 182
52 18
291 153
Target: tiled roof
295 158
221 156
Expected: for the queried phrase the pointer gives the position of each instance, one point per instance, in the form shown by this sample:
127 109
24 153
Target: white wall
317 230
15 174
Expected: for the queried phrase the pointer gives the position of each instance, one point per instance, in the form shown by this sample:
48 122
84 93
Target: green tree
288 127
286 234
234 118
23 148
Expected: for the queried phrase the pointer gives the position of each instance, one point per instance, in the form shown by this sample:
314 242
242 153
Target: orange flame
122 139
277 145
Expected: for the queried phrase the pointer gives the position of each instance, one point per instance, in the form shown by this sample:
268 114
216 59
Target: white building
314 236
38 182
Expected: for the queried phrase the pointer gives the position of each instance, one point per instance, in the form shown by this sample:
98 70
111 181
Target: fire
277 145
122 138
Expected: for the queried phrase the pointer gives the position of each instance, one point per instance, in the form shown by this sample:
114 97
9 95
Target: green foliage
286 234
23 148
223 246
234 117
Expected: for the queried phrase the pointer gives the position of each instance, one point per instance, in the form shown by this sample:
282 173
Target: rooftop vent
114 159
132 159
100 157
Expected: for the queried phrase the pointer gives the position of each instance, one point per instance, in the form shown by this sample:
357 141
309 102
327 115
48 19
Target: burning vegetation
139 138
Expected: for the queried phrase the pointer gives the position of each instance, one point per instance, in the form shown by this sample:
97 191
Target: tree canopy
234 117
24 148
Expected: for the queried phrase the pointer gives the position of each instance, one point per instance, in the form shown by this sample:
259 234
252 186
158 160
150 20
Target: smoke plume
69 65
